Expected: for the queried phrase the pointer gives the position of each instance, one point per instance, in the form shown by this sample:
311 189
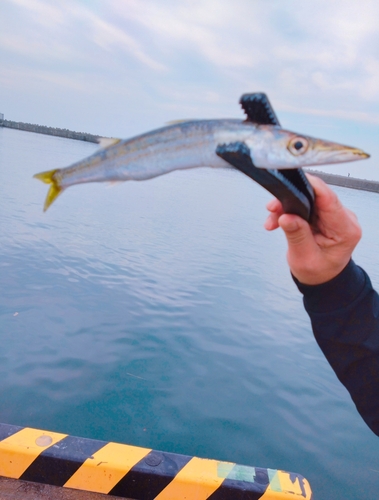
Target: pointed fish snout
350 151
336 153
361 154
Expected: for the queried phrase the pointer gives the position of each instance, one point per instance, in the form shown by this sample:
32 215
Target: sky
123 67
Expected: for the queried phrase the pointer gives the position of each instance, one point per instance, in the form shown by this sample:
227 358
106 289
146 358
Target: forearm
345 319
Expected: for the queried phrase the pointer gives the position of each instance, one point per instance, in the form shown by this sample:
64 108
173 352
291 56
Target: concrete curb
136 473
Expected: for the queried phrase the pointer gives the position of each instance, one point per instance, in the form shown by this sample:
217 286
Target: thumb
298 233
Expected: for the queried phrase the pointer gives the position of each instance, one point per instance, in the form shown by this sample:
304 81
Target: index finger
334 221
326 199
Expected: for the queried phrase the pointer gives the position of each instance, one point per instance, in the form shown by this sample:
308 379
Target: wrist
316 276
337 293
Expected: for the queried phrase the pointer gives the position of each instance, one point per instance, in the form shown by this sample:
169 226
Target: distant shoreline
335 180
57 132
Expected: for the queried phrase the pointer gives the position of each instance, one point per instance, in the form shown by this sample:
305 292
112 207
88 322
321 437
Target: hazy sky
120 67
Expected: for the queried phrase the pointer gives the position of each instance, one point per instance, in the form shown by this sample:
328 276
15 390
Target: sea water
162 314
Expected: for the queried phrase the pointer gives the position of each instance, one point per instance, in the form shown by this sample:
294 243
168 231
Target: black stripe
233 489
150 476
7 430
58 463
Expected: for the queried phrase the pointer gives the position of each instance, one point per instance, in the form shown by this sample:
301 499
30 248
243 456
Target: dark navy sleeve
345 320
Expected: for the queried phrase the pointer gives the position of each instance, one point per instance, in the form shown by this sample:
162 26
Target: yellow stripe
283 487
106 467
20 450
198 479
293 487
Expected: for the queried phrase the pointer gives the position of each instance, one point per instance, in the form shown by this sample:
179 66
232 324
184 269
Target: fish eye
298 146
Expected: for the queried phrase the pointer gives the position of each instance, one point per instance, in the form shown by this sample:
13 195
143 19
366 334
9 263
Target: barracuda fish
257 146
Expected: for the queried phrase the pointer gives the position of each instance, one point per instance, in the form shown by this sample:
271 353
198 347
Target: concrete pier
348 182
57 132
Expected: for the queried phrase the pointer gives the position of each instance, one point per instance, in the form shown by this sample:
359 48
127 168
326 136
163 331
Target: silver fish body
193 144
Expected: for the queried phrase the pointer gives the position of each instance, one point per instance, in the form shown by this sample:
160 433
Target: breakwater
57 132
348 182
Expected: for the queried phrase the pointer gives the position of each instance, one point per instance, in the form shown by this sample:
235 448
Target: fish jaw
277 148
330 152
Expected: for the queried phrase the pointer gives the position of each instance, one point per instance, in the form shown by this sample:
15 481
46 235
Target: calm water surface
161 314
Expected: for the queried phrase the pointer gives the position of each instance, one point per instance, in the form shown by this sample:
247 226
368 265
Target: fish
258 146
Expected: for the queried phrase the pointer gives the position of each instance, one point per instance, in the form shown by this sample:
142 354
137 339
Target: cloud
326 46
207 27
54 31
198 55
357 116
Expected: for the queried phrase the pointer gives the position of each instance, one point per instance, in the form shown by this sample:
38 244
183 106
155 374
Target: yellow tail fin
55 189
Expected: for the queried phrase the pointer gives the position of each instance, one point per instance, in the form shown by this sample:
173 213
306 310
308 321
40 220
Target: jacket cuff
337 293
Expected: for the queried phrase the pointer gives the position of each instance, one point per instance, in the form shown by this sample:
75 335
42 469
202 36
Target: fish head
274 147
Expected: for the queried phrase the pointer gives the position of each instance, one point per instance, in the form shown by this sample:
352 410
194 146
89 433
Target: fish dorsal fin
106 142
258 109
176 122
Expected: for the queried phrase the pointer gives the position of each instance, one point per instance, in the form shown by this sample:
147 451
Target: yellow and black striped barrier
136 473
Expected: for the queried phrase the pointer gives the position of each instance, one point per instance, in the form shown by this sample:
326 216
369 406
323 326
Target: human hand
318 256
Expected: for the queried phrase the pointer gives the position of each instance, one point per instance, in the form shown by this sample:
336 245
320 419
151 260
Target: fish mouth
337 153
354 154
361 154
